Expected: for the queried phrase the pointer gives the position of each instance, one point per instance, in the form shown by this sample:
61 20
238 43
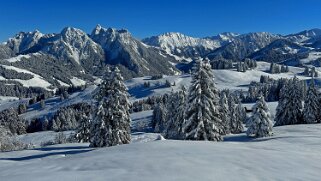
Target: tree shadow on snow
238 138
243 85
245 138
31 157
61 148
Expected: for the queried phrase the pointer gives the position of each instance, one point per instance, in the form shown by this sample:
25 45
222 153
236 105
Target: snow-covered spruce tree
202 117
111 121
176 116
236 124
64 120
306 71
55 124
311 105
9 141
274 68
240 112
287 69
260 124
159 118
171 110
22 108
9 119
289 109
44 124
304 90
225 114
83 129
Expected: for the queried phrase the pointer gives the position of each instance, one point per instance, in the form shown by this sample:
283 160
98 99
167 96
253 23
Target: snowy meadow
237 142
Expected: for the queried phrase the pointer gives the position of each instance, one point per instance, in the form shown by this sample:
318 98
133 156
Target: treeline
269 88
148 104
310 72
51 69
241 66
16 89
246 65
66 118
12 74
276 68
10 120
291 110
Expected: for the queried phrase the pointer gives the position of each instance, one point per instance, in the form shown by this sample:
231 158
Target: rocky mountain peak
23 41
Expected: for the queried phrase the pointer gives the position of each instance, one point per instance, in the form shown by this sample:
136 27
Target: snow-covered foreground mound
293 153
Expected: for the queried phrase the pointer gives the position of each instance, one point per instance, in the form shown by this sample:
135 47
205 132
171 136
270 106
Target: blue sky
151 17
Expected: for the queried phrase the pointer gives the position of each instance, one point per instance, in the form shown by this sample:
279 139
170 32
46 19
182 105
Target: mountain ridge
74 54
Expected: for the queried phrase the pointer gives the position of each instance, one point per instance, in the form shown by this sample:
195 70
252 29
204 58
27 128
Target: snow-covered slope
225 79
292 153
149 157
313 56
17 58
55 103
36 81
5 52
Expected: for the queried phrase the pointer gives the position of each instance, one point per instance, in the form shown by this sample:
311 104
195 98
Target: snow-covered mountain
182 45
74 44
279 50
232 45
73 56
243 45
316 43
224 38
71 45
305 36
23 41
122 48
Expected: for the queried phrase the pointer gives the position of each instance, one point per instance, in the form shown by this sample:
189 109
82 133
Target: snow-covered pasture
292 153
224 79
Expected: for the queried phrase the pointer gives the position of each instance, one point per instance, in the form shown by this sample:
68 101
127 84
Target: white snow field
293 153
